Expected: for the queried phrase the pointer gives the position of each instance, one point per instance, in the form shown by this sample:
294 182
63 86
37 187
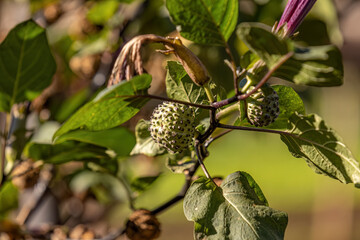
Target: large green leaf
315 66
235 210
310 138
109 109
26 64
64 152
179 85
259 39
204 21
8 198
319 66
144 142
118 139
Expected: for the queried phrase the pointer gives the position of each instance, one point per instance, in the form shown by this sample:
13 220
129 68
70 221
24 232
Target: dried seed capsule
175 127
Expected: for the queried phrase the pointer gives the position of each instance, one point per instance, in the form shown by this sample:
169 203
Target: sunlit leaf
204 21
235 210
110 138
179 86
109 109
315 66
310 138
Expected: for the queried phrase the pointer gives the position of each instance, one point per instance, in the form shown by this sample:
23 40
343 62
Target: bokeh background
85 37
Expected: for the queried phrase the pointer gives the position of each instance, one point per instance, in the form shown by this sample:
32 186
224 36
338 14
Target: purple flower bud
294 13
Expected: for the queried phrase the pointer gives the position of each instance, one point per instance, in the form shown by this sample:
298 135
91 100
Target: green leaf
102 11
26 64
118 139
289 103
310 138
8 198
235 210
108 109
64 152
141 184
315 66
179 86
259 39
319 66
204 21
180 162
144 142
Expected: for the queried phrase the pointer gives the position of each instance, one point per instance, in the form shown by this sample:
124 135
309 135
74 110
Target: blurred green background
318 207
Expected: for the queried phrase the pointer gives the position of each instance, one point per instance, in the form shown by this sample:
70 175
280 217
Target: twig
267 76
239 96
210 140
167 99
200 158
253 129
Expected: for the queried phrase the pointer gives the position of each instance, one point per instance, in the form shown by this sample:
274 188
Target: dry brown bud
191 63
142 225
25 175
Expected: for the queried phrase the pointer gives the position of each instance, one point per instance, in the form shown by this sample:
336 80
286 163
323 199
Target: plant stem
210 140
227 111
188 179
167 99
267 75
208 92
253 129
247 85
239 96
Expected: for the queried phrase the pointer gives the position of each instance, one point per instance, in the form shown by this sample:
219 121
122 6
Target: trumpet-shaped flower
294 13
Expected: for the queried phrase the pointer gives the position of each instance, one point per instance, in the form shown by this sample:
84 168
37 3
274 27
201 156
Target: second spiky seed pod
263 106
172 126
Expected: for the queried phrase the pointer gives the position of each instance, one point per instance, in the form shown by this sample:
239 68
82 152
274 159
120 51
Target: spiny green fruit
262 106
172 126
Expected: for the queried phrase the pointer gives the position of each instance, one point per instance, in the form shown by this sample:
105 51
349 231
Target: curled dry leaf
129 60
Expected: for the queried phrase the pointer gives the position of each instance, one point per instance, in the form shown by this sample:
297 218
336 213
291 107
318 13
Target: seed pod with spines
262 106
172 126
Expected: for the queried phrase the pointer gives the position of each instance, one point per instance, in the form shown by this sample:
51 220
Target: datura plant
195 112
